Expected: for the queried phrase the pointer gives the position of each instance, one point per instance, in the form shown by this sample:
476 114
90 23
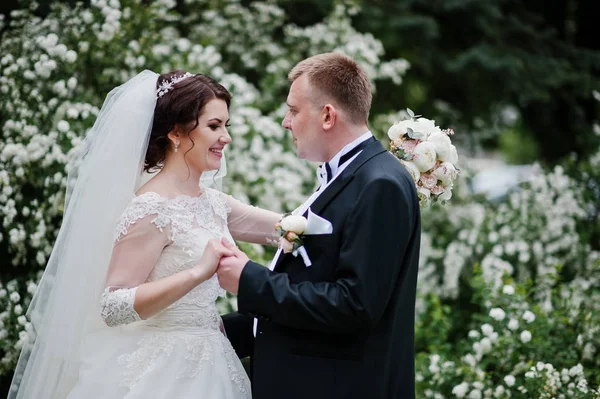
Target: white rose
446 195
31 287
525 336
509 380
15 297
412 169
497 314
425 126
398 129
72 113
63 126
425 156
508 289
486 344
513 324
487 329
295 223
51 40
460 390
71 56
72 83
453 156
445 172
528 316
499 391
442 144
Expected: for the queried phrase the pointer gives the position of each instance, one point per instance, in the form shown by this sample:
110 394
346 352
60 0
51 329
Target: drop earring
176 146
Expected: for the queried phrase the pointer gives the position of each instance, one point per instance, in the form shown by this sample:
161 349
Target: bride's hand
209 261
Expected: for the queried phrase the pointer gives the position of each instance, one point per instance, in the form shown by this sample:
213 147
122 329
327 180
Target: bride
132 314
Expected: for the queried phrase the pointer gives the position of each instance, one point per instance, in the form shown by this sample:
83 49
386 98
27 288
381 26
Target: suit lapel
338 184
346 176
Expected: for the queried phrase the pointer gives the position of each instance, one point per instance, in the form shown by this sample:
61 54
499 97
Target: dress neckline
179 197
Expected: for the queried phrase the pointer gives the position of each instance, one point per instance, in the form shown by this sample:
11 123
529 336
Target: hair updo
180 106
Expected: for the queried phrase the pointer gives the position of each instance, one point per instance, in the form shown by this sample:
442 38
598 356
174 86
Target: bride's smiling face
203 147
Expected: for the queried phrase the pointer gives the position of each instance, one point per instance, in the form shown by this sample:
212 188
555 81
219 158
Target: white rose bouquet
428 154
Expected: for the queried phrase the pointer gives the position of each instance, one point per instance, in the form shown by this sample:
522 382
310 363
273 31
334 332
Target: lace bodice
157 237
182 226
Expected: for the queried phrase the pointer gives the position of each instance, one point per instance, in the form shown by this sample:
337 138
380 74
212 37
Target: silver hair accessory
167 85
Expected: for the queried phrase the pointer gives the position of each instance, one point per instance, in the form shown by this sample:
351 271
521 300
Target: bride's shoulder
145 210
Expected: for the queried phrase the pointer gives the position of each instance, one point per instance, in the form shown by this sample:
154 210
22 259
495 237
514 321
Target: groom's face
302 120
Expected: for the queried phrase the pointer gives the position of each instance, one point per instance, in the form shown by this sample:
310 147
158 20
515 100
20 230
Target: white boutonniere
292 228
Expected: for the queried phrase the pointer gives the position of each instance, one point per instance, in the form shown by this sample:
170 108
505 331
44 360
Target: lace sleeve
116 307
251 224
142 234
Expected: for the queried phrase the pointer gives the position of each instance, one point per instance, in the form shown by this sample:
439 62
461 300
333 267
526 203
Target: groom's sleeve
238 328
374 244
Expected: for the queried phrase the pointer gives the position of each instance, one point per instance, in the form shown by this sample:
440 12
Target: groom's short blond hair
339 78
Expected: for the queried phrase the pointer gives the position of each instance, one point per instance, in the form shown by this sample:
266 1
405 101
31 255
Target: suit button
260 333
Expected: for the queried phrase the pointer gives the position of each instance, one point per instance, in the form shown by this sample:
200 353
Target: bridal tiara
167 85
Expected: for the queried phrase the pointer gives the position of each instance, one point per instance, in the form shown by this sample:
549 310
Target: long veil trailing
101 182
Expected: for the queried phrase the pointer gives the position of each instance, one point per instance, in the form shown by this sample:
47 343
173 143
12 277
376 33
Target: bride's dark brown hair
181 106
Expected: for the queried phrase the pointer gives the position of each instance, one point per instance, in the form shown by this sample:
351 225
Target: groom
344 326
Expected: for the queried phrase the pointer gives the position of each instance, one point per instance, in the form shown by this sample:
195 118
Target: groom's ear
328 117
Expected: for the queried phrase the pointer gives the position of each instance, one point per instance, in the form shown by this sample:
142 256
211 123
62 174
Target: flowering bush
536 229
513 348
536 336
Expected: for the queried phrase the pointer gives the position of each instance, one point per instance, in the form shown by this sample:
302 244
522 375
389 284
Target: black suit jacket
343 327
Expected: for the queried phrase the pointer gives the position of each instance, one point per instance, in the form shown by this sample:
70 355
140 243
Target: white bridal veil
102 180
101 183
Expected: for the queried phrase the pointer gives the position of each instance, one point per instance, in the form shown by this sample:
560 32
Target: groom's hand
230 268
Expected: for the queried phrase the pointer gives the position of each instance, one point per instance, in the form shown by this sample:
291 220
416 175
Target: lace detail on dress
189 329
140 207
182 214
201 349
238 376
116 307
142 361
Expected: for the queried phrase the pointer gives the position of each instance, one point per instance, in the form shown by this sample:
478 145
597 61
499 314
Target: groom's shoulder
385 167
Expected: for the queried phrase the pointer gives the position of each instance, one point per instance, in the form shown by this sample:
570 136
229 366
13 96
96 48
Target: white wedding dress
181 352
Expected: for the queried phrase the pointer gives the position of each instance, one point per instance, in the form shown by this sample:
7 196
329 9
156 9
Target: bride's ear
175 136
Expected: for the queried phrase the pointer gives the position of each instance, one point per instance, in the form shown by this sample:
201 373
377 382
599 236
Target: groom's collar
334 163
346 176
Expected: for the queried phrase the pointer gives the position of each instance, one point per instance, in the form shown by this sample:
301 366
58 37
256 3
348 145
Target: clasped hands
227 260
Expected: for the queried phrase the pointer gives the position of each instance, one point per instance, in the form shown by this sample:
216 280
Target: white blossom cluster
244 36
495 359
529 235
14 324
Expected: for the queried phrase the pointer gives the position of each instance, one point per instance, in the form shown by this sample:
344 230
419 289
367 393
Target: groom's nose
286 122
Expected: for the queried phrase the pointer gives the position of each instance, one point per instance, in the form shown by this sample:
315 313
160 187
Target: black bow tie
343 159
